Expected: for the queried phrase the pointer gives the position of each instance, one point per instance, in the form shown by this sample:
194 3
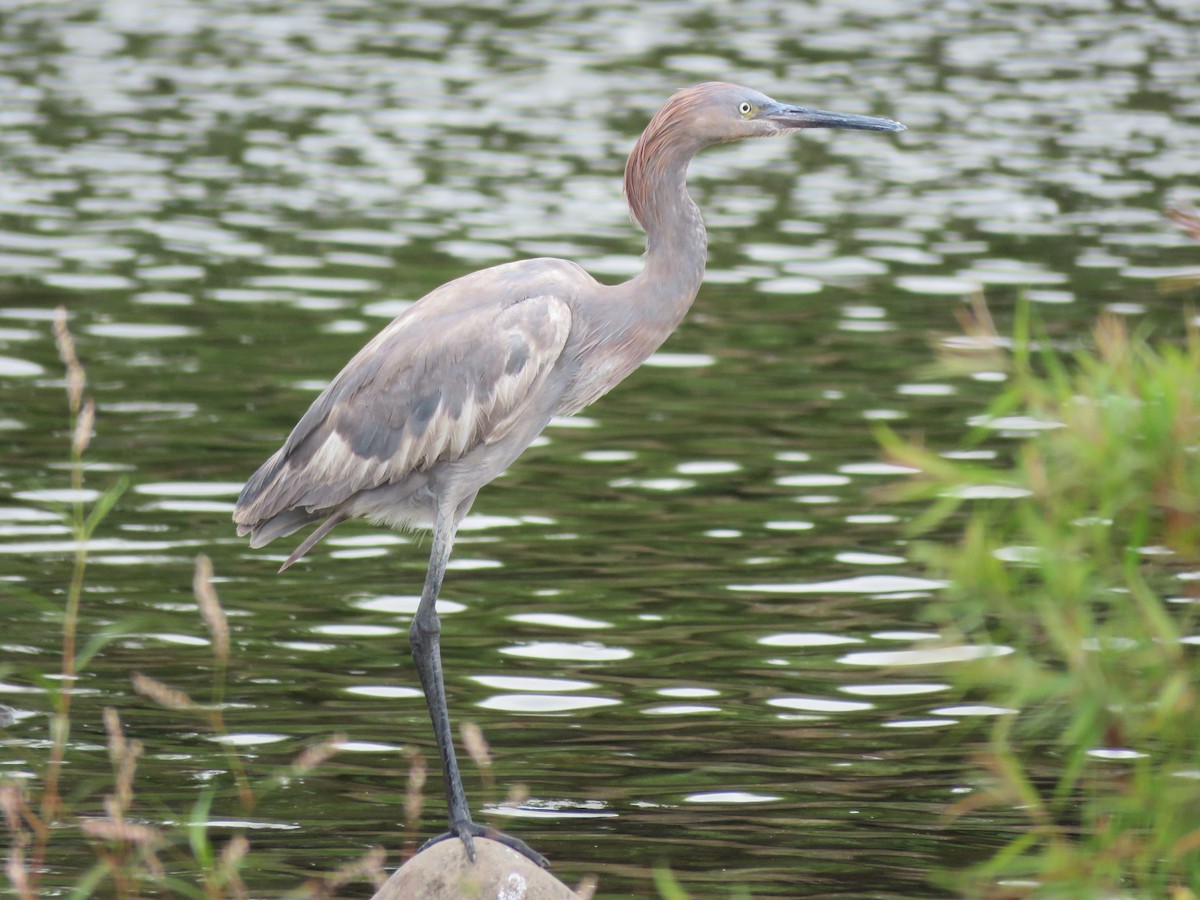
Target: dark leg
425 637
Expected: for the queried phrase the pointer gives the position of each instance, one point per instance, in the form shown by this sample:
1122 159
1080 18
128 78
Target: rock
443 872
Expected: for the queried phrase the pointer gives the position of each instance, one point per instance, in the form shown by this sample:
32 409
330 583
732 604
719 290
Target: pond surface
685 620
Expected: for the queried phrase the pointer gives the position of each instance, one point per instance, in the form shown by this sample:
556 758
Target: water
685 621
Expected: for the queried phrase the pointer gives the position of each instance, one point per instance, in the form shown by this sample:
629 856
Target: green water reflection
230 198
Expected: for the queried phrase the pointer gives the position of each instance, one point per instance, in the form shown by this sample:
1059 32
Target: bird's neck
623 324
676 242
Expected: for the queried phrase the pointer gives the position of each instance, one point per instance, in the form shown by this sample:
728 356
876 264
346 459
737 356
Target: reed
47 818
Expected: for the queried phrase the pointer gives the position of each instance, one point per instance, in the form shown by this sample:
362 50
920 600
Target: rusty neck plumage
656 190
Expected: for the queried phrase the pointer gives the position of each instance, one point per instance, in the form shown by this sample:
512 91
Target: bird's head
716 112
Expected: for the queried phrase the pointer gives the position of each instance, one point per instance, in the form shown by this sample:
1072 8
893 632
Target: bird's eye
745 108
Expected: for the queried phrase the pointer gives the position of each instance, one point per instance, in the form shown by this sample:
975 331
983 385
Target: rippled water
684 620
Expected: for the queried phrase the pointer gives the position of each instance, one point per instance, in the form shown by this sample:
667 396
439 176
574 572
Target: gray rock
443 872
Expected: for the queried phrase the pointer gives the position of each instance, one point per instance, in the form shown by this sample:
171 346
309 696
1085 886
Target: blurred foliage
1084 563
44 815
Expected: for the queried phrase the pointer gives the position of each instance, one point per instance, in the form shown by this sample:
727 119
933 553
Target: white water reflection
707 467
82 281
606 456
730 797
858 558
544 703
183 640
586 652
385 691
359 237
932 656
26 514
532 684
973 709
405 604
139 331
812 480
789 525
654 484
680 709
862 584
308 646
59 495
11 531
819 704
137 551
536 808
910 689
1116 753
937 285
911 636
988 492
664 360
807 639
1013 423
235 824
248 739
189 488
19 368
366 747
558 620
191 506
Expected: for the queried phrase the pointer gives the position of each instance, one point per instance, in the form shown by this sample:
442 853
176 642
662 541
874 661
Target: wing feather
428 389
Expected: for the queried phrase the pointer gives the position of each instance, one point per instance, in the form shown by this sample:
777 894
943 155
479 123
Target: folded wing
428 389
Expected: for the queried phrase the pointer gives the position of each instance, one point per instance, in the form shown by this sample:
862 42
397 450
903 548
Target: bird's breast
604 362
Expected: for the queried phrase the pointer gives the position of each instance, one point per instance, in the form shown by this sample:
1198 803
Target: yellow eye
745 108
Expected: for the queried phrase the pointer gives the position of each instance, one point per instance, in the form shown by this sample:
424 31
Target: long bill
786 116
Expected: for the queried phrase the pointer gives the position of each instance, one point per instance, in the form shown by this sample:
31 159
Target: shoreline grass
1088 571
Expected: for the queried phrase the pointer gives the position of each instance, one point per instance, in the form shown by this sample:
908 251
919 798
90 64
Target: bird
452 391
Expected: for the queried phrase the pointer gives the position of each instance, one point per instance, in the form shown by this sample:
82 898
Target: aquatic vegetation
1089 567
49 816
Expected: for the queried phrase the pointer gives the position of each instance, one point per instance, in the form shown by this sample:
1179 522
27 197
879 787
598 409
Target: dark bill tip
803 117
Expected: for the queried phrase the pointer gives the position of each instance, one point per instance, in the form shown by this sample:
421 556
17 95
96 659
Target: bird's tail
319 532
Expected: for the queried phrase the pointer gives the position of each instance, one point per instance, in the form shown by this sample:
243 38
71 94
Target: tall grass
45 828
1089 572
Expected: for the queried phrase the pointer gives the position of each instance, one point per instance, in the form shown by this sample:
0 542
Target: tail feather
319 532
288 521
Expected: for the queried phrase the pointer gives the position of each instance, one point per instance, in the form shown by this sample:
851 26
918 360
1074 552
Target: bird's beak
802 117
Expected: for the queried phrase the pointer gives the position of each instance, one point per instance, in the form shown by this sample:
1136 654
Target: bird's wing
437 382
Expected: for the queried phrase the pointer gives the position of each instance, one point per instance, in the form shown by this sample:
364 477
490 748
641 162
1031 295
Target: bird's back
444 384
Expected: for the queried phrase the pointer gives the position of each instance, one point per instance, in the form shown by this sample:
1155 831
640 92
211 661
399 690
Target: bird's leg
425 639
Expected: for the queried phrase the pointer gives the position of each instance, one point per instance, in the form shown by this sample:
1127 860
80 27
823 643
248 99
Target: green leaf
105 636
91 879
198 830
668 888
181 888
103 505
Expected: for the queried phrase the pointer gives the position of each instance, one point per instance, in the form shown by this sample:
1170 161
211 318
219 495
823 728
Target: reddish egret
452 391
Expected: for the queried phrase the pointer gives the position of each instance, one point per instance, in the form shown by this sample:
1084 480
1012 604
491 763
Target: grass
1087 571
48 820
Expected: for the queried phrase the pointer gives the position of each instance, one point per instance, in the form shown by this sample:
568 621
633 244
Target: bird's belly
410 503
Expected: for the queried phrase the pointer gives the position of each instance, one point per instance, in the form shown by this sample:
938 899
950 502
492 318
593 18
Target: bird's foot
465 831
